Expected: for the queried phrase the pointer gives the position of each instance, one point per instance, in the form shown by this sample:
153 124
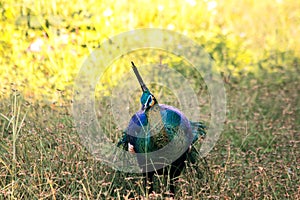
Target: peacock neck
153 115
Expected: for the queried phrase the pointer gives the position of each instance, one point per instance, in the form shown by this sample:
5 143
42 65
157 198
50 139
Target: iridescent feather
153 128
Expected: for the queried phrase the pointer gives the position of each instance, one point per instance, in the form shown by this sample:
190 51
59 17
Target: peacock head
147 100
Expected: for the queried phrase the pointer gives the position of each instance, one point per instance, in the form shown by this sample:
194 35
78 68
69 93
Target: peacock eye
152 101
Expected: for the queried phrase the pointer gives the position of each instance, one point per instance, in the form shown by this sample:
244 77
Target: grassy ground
256 157
42 45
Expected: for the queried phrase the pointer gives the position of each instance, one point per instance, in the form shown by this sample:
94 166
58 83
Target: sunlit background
44 43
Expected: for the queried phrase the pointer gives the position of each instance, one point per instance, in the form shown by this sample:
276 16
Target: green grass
257 156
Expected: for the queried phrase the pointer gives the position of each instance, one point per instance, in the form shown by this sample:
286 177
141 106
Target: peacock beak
137 74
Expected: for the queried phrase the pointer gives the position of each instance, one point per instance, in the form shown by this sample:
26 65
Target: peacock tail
198 129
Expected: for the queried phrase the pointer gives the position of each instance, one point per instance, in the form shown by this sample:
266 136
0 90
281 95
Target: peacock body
159 133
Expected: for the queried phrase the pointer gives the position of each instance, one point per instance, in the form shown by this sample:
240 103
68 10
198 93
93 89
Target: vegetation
254 44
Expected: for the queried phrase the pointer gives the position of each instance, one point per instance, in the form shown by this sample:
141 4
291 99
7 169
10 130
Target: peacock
162 138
